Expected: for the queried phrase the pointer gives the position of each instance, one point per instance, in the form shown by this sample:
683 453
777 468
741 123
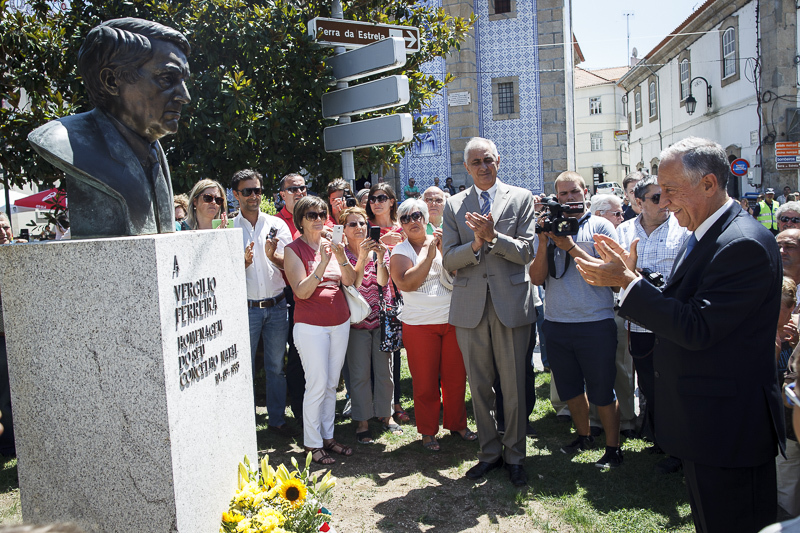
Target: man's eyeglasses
295 190
791 395
614 213
655 198
208 198
378 199
356 224
250 191
313 215
793 220
416 216
437 201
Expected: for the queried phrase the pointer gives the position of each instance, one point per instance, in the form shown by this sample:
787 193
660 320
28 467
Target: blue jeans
272 325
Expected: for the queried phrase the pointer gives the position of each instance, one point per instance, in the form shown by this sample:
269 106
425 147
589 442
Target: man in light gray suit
488 238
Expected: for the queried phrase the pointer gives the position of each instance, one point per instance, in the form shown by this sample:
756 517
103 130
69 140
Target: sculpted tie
163 208
487 204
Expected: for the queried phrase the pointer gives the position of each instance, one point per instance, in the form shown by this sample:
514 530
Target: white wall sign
457 99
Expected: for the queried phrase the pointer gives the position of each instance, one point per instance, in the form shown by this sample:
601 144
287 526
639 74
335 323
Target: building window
597 141
505 98
653 102
502 9
637 106
502 6
594 106
729 53
685 79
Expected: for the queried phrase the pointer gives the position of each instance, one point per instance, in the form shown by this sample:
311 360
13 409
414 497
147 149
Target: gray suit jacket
109 193
502 269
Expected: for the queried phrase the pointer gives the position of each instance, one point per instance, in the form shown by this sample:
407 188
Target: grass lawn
396 485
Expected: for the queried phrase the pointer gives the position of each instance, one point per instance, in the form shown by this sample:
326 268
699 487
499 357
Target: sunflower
294 491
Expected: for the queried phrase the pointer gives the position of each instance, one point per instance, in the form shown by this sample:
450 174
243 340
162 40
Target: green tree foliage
257 81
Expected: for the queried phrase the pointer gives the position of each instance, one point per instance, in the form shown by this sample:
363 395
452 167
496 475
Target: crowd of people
677 289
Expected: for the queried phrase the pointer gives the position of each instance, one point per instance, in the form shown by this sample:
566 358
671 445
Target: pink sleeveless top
327 306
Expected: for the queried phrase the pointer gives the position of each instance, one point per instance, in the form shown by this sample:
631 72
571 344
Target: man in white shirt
660 239
264 238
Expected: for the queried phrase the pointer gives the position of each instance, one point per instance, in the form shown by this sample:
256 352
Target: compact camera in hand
555 219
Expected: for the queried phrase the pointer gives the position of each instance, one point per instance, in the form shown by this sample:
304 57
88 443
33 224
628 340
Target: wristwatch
493 241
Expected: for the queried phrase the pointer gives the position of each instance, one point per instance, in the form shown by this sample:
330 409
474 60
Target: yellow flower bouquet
272 500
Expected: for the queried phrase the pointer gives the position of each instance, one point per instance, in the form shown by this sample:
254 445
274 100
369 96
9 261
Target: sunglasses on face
250 191
356 224
615 213
295 190
311 216
208 198
378 199
655 198
415 216
793 220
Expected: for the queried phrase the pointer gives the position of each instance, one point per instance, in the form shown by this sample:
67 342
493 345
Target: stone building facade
511 85
747 52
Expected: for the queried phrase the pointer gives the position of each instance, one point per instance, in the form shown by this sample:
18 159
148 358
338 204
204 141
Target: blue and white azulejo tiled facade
504 48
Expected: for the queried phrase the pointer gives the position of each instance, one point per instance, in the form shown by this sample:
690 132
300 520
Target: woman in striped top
364 356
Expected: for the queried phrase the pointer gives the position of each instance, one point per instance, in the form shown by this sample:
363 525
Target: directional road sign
788 159
787 146
355 34
374 58
389 129
373 96
788 166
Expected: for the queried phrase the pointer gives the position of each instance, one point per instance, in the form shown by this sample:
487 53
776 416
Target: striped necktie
487 204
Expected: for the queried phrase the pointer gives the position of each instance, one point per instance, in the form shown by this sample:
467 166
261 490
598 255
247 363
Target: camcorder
555 219
348 199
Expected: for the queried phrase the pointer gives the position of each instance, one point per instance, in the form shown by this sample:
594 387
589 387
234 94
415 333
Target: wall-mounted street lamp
691 102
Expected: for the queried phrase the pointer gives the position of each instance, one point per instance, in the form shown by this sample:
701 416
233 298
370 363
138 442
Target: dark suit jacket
108 191
717 399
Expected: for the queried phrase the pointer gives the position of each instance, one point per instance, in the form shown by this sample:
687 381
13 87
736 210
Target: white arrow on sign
406 35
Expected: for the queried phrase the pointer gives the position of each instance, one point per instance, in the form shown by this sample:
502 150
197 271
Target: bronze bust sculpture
117 178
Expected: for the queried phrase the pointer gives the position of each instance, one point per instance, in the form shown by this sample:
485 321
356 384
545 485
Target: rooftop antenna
628 16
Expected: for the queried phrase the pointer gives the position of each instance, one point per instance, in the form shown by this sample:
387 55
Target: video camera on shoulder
555 219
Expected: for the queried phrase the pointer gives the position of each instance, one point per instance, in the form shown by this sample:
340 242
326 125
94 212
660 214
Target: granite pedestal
131 381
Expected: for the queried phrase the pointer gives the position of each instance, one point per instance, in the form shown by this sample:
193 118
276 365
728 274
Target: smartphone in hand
375 233
338 231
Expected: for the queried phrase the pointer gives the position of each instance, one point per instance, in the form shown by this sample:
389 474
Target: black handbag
391 327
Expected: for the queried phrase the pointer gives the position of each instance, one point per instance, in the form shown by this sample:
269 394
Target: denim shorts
582 358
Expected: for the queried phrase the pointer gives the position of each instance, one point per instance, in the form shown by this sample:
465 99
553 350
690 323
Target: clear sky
600 28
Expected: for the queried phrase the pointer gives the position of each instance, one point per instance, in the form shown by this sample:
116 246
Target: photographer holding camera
579 327
660 239
340 197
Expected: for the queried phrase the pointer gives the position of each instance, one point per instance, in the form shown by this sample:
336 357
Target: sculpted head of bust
136 70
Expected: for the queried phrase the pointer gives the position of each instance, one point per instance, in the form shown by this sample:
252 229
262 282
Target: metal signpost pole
348 167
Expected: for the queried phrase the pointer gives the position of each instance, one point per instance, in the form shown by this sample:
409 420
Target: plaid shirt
656 251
